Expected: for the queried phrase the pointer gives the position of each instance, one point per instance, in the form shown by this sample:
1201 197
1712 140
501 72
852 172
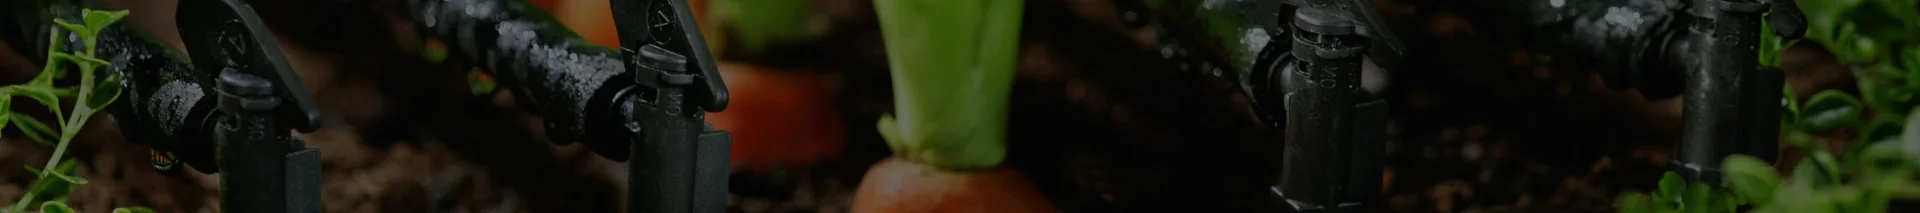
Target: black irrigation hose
552 71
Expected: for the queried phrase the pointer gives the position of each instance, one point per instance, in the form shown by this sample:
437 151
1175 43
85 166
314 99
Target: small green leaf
5 116
1808 173
1634 202
1845 199
53 188
1750 177
1907 192
1698 198
6 119
1862 49
55 207
98 19
1887 167
33 128
1726 202
1910 137
1771 45
44 96
70 27
1795 197
1881 90
1790 105
1879 129
889 131
1801 139
1911 61
6 100
82 61
135 209
1671 187
1827 166
1831 108
69 178
104 93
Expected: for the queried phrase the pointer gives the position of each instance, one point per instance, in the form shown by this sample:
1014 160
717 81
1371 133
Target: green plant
1867 180
1677 195
1876 169
56 179
1873 36
1876 38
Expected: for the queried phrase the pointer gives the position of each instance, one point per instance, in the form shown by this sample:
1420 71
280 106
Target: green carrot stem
952 63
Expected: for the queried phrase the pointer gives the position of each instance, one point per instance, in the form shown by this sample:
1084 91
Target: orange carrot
897 185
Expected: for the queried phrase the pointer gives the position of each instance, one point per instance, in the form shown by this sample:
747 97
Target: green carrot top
952 66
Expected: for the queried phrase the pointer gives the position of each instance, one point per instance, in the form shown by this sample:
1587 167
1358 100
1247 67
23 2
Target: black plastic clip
678 162
1364 164
1740 117
1335 131
264 168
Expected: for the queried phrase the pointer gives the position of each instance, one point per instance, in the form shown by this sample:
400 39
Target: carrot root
899 186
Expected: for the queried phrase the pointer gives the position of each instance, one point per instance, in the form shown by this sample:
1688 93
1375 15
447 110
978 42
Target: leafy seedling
57 178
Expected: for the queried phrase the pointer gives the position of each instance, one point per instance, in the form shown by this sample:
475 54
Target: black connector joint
1335 131
1732 104
259 98
678 162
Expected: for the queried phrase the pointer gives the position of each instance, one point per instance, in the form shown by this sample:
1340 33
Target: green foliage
1676 195
57 178
1910 135
1879 167
1880 173
1771 46
1875 37
1862 31
1828 109
55 207
1750 178
133 210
